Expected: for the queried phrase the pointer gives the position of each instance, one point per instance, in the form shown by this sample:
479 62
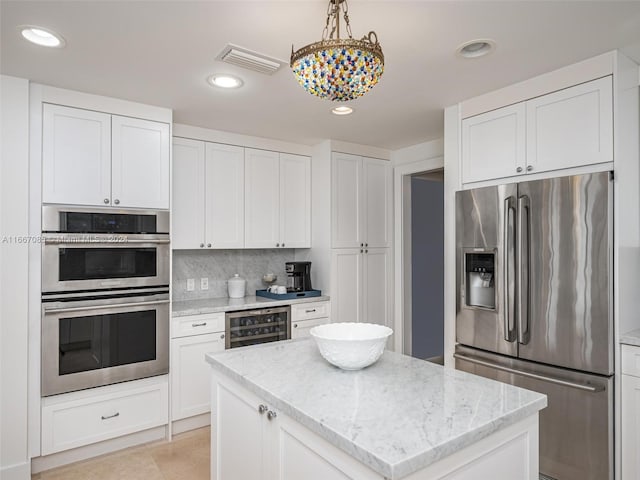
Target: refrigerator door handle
544 378
523 262
509 261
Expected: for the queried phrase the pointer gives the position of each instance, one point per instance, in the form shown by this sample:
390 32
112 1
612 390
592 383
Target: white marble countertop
631 338
397 416
225 304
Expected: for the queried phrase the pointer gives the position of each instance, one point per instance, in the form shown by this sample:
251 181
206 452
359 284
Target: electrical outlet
204 283
191 284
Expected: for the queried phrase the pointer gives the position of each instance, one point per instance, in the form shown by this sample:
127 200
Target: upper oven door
93 262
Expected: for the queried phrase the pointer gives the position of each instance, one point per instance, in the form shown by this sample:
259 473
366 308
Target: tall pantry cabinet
361 273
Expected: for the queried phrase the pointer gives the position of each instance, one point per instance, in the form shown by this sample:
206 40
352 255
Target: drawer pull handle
203 324
310 311
117 414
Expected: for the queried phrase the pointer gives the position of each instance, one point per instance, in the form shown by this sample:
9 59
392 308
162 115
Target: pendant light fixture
335 68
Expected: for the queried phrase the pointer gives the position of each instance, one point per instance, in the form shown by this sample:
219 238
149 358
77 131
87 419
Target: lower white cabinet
80 418
190 373
630 423
305 316
360 285
301 329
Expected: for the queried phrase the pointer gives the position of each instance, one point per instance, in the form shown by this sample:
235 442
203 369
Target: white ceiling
160 53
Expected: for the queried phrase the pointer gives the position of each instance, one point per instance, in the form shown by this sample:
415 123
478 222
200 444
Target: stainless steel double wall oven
105 296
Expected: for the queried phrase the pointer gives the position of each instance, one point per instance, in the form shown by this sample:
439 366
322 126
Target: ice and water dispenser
480 286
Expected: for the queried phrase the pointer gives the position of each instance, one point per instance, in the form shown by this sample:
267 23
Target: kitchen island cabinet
296 416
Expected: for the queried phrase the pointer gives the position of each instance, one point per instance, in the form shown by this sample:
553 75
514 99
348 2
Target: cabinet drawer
300 329
82 421
197 324
307 311
631 360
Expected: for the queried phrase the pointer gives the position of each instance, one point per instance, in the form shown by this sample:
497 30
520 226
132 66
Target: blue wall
427 258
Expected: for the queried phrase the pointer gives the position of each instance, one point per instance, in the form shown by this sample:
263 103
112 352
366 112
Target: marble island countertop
396 416
212 305
631 338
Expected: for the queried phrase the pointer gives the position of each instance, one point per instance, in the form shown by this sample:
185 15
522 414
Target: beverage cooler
250 327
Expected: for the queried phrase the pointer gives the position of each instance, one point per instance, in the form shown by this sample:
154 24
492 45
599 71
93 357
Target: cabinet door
346 285
346 191
570 128
237 440
376 186
224 210
139 163
262 199
630 427
76 156
493 144
187 215
301 329
377 274
295 201
190 392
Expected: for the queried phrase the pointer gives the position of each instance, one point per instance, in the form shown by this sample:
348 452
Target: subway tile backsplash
220 265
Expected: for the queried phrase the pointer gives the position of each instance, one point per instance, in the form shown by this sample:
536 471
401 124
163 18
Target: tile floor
185 458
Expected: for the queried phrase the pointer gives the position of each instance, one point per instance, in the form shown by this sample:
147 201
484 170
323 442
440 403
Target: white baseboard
40 464
21 471
191 423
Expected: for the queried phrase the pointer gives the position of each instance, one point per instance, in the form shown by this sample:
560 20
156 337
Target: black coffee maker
298 276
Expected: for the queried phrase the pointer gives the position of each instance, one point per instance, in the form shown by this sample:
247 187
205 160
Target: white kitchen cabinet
76 156
630 416
493 144
190 392
187 214
360 284
92 158
277 200
208 195
80 418
571 127
139 163
360 201
305 316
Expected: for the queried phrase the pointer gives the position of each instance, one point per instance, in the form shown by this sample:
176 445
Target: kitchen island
281 411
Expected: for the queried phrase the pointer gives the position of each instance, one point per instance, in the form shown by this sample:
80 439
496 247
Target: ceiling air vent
250 60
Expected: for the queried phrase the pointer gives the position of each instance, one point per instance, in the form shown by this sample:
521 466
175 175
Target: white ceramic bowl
351 346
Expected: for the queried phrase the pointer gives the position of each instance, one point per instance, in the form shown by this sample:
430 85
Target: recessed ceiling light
42 36
342 110
476 48
225 81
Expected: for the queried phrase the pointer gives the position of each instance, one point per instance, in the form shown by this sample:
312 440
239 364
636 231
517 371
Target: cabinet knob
519 169
361 251
366 244
262 409
106 200
283 245
116 201
366 251
202 245
222 336
208 245
529 168
361 245
277 244
271 415
295 325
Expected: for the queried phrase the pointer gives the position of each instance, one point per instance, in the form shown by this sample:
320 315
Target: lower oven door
91 342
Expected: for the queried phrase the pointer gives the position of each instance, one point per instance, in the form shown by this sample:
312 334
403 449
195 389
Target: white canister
236 286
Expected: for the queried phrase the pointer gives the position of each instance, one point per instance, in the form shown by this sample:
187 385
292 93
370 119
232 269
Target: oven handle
102 307
66 241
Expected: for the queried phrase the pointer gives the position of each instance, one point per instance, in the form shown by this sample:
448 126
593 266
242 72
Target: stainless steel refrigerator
534 308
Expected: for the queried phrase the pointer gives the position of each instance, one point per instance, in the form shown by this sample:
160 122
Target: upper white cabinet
208 195
139 163
360 202
76 156
493 144
568 128
277 200
571 127
92 158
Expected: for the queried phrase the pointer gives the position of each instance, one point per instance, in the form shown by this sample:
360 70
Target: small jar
236 286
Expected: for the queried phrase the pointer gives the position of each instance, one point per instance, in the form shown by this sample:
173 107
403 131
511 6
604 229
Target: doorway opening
424 320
